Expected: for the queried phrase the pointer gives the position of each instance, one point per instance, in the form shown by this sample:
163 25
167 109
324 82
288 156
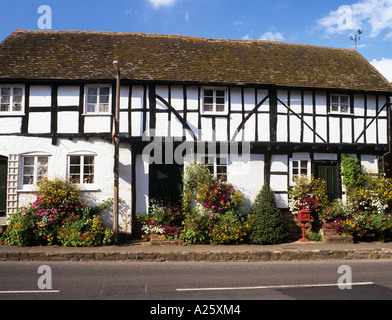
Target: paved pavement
144 252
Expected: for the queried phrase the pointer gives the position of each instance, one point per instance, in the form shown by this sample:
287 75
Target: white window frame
300 167
214 103
35 169
340 106
97 104
11 103
82 167
212 163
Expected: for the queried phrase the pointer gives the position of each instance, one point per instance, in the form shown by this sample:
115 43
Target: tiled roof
85 55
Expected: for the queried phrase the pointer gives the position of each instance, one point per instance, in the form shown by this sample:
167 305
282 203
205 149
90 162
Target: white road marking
276 287
29 291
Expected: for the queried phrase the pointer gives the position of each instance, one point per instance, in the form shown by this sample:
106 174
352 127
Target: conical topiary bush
267 225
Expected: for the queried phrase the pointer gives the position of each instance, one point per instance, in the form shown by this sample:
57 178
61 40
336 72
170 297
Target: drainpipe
116 142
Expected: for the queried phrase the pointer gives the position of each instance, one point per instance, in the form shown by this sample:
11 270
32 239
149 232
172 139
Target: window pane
88 176
29 161
335 108
74 160
17 107
344 100
220 93
89 160
220 108
335 99
75 178
103 108
208 93
28 180
104 99
90 108
92 99
28 171
220 100
344 109
92 91
208 108
221 170
5 99
5 92
42 169
74 169
208 100
104 92
4 107
18 92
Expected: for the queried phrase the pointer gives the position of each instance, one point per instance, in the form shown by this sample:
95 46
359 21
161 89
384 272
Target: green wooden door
330 175
3 184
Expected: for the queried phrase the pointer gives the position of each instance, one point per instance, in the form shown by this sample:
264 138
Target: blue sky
315 22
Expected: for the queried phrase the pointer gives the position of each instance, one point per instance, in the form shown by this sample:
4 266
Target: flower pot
155 236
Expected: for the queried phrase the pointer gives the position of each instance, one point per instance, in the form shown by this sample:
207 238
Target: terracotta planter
155 236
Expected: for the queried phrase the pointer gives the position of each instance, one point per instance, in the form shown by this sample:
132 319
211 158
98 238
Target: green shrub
266 221
352 173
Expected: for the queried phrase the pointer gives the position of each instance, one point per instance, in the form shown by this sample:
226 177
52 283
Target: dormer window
11 99
98 100
340 103
214 101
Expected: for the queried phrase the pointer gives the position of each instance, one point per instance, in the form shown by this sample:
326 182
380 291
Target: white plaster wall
97 124
68 122
40 96
10 125
39 122
142 185
247 177
68 96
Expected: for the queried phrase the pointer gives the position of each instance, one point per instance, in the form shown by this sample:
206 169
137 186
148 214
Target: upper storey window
340 103
11 100
98 100
214 101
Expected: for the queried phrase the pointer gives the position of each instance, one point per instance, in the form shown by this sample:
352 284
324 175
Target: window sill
214 114
97 114
337 113
11 114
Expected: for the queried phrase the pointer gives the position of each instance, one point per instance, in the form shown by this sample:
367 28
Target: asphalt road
196 281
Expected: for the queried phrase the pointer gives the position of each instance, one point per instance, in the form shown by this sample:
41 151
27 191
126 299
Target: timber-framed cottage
299 108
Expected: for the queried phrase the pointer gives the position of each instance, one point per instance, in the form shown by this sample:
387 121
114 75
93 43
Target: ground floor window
81 169
299 168
35 168
217 166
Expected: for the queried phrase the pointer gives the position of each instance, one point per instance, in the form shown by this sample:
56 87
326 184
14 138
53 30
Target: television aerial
356 38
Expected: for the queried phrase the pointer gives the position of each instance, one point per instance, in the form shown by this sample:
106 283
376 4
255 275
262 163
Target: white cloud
272 36
384 66
373 15
162 3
